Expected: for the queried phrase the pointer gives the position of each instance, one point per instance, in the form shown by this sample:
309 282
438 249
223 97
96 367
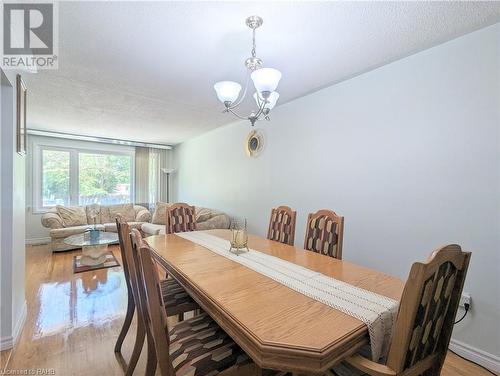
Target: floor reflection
91 298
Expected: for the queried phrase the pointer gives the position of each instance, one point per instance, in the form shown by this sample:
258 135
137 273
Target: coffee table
94 248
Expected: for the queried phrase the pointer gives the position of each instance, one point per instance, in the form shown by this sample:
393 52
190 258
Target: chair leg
126 324
136 352
181 316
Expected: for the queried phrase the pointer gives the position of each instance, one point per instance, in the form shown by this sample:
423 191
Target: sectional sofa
64 221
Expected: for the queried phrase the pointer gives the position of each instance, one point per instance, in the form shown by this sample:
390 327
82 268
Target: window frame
74 167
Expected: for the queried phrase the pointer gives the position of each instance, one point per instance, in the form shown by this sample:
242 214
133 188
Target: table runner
378 312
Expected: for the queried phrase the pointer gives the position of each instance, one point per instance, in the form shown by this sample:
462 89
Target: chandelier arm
238 102
261 108
259 102
235 114
256 116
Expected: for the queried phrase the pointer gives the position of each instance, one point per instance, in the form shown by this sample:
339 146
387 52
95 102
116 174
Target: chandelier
265 81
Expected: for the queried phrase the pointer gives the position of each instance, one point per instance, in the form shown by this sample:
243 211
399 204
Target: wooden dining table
276 326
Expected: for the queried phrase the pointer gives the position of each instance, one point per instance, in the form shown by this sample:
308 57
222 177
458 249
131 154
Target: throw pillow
160 214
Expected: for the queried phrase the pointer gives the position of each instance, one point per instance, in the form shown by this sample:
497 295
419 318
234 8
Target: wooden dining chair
425 319
325 233
196 346
177 298
180 218
282 225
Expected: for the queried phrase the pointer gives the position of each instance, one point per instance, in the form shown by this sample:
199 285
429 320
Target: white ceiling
145 71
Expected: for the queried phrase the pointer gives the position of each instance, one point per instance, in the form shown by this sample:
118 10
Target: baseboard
490 361
38 241
9 342
6 343
18 329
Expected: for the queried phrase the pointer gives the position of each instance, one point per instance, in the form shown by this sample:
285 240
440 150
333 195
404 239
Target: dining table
278 327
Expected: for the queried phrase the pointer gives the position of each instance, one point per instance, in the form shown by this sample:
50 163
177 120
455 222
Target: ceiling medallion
265 81
254 143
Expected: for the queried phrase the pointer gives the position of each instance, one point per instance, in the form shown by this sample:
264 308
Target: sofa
64 221
206 219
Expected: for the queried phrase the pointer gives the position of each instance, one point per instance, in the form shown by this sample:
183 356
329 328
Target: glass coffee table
94 246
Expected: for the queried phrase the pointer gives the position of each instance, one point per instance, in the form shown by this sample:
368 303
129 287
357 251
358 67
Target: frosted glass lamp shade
227 91
273 98
266 79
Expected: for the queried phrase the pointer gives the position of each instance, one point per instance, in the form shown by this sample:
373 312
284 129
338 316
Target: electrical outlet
465 299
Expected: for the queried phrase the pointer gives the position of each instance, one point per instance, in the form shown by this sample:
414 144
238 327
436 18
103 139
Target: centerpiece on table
92 231
239 237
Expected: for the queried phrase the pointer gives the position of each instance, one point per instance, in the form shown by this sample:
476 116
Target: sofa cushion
52 220
126 211
220 220
204 214
153 229
160 214
142 214
111 226
109 213
72 215
65 232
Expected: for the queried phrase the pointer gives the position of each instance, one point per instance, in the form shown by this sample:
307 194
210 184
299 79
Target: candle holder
239 237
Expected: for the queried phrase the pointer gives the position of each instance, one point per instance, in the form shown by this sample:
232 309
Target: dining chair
282 225
325 233
180 218
172 293
425 319
196 346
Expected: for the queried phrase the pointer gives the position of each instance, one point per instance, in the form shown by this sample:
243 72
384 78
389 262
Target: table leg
94 254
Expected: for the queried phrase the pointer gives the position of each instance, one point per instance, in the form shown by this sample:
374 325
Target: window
55 178
68 176
104 179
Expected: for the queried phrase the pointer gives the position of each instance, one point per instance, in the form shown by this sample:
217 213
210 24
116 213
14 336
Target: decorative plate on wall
254 143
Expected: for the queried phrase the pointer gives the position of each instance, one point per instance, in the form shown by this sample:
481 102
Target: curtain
151 183
142 176
162 181
158 162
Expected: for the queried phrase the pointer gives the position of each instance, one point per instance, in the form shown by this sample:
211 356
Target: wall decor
21 94
254 143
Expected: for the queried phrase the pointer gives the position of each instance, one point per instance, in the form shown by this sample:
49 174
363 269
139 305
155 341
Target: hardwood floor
74 319
4 359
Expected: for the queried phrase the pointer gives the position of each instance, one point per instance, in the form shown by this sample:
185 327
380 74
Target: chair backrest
427 312
152 302
180 218
282 225
325 233
123 230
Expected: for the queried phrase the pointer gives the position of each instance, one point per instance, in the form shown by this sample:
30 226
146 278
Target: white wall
408 153
35 232
12 238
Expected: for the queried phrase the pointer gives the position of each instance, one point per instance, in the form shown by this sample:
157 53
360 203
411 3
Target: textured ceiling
145 70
